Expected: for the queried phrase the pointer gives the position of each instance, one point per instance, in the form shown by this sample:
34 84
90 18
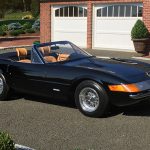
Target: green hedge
6 22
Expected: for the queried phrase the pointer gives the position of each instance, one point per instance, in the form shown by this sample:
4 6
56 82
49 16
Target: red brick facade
46 15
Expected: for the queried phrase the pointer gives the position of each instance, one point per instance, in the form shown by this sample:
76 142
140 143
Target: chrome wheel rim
1 86
89 99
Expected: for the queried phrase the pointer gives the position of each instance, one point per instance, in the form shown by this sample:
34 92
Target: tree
3 8
35 8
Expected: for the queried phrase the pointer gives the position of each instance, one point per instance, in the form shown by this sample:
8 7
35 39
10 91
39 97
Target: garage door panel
115 43
73 27
115 24
112 28
68 36
70 24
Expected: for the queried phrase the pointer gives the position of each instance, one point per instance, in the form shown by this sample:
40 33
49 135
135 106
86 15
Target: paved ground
47 124
57 125
131 55
113 53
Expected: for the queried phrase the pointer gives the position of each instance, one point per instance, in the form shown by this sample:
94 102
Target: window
134 11
116 11
120 11
71 11
128 11
140 11
110 11
104 12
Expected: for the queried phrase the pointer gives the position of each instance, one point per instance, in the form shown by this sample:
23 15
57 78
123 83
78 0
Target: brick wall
46 15
45 29
146 13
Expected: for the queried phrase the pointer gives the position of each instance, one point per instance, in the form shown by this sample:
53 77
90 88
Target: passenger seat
22 55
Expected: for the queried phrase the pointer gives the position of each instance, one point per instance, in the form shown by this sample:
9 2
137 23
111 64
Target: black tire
5 91
100 93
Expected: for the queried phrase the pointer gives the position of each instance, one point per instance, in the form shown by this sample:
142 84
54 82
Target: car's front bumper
140 95
124 99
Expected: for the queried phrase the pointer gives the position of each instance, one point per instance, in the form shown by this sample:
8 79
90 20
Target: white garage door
113 25
70 23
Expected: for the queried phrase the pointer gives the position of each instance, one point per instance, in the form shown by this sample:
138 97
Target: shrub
30 30
7 22
14 26
2 33
6 143
36 25
27 17
27 25
4 28
139 30
21 31
14 33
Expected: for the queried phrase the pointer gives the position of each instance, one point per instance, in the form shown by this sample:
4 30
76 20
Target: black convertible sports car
61 69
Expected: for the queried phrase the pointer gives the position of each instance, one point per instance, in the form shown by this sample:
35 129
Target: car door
59 78
28 77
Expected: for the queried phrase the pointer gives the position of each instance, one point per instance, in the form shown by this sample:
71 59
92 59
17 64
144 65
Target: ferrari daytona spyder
61 69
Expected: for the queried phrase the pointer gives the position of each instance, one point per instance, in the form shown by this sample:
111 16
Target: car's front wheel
91 99
4 88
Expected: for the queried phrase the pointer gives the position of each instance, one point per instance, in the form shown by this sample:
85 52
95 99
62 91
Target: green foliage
4 28
36 25
139 30
16 15
14 26
30 30
3 8
35 8
6 143
21 31
36 42
6 22
2 33
14 33
27 25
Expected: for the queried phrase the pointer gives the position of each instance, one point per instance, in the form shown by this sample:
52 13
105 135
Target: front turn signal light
124 88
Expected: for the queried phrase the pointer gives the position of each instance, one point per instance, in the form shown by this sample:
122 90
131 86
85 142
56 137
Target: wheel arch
81 79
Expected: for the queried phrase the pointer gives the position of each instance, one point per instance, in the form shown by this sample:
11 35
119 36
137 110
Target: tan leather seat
45 50
46 53
63 57
50 59
22 55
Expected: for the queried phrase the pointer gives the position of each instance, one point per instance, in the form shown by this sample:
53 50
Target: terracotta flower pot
141 45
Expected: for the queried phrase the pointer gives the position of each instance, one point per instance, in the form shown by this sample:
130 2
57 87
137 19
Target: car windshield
60 51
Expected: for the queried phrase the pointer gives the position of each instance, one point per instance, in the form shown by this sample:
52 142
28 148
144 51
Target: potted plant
140 37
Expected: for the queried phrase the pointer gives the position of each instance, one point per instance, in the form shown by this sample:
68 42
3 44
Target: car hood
124 68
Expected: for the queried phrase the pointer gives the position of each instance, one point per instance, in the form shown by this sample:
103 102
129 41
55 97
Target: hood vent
126 61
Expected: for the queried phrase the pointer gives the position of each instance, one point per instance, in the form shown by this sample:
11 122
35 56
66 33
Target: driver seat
46 54
22 55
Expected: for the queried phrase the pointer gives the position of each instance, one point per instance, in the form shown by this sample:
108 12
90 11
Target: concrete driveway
48 124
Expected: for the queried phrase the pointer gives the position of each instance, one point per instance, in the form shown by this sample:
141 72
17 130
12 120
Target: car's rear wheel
91 99
4 88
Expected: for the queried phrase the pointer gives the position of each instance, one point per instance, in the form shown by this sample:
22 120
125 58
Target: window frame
124 14
57 12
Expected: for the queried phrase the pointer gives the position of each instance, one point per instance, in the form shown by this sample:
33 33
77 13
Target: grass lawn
15 16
